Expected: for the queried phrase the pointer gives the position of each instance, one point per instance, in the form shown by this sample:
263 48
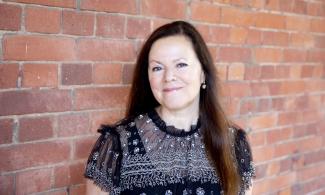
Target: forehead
172 47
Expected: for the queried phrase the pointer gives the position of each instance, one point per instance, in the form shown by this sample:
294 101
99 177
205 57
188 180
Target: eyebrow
178 59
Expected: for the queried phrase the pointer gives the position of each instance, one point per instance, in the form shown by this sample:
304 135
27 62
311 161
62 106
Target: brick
305 130
262 121
231 106
301 40
14 102
83 147
78 23
105 50
238 35
314 157
287 118
220 35
319 41
311 172
282 72
137 28
294 55
8 75
307 71
7 127
127 75
295 71
317 25
10 16
257 139
76 74
73 125
315 9
264 105
256 4
286 5
41 181
222 72
236 89
236 71
268 55
248 106
263 153
42 20
273 168
67 175
259 89
33 154
79 189
254 37
107 73
204 30
260 171
7 184
275 38
316 56
158 22
268 72
267 20
279 135
238 17
122 6
33 47
58 192
56 3
279 182
110 26
155 8
289 87
35 128
252 72
272 5
301 24
40 75
312 185
278 104
235 54
300 7
205 12
104 117
92 98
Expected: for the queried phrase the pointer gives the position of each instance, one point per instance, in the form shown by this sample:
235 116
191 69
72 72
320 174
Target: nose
169 75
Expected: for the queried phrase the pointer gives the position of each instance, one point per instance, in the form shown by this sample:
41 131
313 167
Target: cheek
155 82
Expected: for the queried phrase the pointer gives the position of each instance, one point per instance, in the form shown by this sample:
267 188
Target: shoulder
243 155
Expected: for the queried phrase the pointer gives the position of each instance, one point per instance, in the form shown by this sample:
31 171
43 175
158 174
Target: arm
92 189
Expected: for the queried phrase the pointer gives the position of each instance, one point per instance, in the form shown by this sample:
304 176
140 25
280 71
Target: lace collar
169 129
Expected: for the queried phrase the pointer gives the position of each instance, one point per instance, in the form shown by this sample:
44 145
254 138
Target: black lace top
145 156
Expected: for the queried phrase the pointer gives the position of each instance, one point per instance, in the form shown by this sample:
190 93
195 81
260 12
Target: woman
175 138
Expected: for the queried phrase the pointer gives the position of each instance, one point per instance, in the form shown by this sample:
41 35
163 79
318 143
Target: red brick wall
66 67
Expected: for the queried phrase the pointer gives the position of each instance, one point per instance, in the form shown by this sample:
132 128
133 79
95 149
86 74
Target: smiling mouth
171 89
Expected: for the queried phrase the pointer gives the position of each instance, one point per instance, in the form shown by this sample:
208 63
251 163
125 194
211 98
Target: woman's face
175 73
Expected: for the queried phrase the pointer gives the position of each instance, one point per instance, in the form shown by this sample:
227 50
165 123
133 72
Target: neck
181 119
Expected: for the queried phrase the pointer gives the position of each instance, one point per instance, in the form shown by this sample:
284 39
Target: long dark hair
214 122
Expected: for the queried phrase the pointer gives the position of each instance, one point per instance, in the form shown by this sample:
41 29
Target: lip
170 89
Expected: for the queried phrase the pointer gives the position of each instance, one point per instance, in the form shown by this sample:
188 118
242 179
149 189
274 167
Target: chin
175 105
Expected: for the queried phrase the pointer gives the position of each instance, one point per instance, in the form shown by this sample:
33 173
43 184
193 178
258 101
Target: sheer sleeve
244 159
103 165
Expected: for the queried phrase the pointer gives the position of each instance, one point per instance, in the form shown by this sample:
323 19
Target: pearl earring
204 85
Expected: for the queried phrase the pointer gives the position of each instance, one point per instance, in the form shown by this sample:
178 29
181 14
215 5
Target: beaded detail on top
155 158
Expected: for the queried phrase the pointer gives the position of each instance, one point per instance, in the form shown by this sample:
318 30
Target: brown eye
157 68
182 65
